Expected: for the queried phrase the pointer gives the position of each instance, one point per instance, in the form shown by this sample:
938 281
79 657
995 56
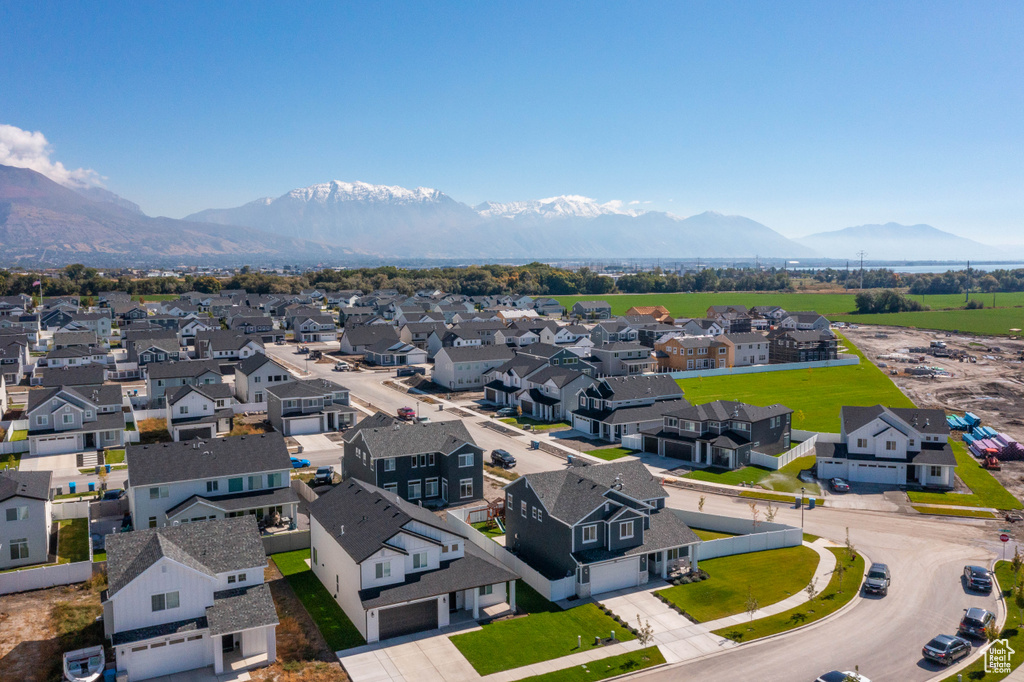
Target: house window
256 380
383 570
391 488
167 600
157 493
431 459
152 522
890 445
540 516
431 488
389 464
625 530
522 509
19 549
508 500
415 461
466 487
314 556
590 533
862 442
935 472
17 513
423 460
235 485
415 490
486 590
68 418
256 482
419 560
41 420
466 459
211 486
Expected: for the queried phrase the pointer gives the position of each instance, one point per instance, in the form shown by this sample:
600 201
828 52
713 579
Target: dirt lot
992 388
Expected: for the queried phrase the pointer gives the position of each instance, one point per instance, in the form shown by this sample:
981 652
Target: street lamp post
802 508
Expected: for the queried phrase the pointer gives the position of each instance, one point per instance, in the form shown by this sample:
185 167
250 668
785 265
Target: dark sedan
946 649
978 578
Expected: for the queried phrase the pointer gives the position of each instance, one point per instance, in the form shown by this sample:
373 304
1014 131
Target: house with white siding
255 374
69 419
200 411
25 520
463 368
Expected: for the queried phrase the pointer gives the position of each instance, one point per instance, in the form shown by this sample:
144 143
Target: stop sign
1004 537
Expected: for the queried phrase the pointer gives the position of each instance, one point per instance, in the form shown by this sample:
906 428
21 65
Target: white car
836 676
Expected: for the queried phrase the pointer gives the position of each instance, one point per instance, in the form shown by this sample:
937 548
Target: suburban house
83 375
165 377
436 463
613 331
187 597
658 312
890 445
618 406
686 353
788 345
98 323
25 523
621 358
74 339
393 353
304 406
606 525
314 329
155 349
200 411
198 480
699 326
14 357
405 570
355 338
226 345
255 374
803 321
503 383
418 333
68 420
591 310
549 393
548 306
77 356
720 434
461 369
746 348
733 318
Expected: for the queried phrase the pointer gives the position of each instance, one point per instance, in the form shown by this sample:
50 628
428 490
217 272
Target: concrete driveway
316 442
421 657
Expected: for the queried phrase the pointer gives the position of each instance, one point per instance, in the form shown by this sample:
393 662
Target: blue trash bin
71 488
535 444
109 675
92 486
810 502
108 467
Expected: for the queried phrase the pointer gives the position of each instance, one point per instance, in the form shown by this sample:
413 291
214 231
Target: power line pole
861 254
967 294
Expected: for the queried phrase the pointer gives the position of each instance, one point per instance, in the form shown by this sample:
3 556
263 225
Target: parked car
503 459
113 494
341 367
299 463
946 649
506 412
878 580
978 578
976 622
324 475
836 676
98 542
839 485
406 413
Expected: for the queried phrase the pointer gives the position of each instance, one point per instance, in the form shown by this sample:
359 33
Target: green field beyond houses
814 395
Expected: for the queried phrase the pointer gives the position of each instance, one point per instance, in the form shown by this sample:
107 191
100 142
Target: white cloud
25 149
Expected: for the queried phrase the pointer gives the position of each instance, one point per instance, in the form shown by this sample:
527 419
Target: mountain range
338 221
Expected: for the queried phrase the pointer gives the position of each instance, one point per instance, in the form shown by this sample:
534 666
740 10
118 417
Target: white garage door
56 445
614 576
876 473
177 655
302 427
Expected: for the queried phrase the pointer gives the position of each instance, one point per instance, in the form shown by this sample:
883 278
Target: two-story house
166 377
226 345
198 480
77 356
304 406
200 411
788 345
803 321
720 434
162 348
747 349
606 525
463 368
25 520
733 318
83 375
393 354
548 306
618 406
890 445
404 569
355 338
591 310
14 356
686 353
255 374
74 419
436 463
315 329
699 326
98 323
189 597
549 393
621 358
613 331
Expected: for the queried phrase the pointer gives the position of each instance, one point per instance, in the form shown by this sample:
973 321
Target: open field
987 321
814 395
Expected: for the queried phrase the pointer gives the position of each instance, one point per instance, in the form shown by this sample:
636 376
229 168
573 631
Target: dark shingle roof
184 368
477 353
31 484
211 391
364 335
250 499
209 547
637 387
178 627
746 337
725 410
407 439
189 460
106 394
923 420
82 375
305 388
253 363
241 608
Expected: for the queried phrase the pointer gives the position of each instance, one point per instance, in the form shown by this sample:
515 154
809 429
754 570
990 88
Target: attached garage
614 575
199 432
404 620
56 445
303 426
166 657
678 450
875 473
651 444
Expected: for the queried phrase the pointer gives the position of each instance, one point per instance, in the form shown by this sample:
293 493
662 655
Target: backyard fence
286 542
769 462
747 536
78 509
842 360
552 590
303 490
46 576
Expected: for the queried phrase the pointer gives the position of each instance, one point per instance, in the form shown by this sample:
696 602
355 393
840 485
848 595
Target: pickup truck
406 413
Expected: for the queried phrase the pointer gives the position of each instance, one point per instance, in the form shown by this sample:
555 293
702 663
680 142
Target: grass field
711 534
985 322
773 575
815 395
488 528
835 595
943 511
535 425
987 491
610 454
784 480
603 668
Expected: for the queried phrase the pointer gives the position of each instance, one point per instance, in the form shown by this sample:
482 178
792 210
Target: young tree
751 604
1017 562
700 503
755 514
1018 599
850 550
644 631
841 570
770 513
812 589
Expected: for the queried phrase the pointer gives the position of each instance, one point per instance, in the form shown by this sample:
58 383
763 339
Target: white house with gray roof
167 377
463 368
25 519
395 568
200 411
68 419
255 374
304 406
189 597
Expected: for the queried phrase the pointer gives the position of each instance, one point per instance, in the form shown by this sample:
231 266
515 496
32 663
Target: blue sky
804 116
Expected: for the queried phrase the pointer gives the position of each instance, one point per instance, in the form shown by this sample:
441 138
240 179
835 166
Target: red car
406 413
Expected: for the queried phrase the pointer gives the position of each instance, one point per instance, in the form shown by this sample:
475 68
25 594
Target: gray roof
31 484
636 387
620 346
364 335
209 547
211 391
305 388
221 339
76 352
523 365
633 414
106 394
559 375
184 368
922 420
477 353
81 375
592 304
725 410
212 458
250 499
746 337
376 421
253 363
178 627
406 439
167 344
939 454
241 608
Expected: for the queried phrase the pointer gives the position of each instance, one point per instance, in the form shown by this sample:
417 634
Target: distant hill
39 216
893 241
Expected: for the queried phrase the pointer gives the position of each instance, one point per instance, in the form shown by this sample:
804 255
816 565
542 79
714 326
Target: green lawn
810 538
334 625
749 475
814 394
986 321
773 576
831 599
987 491
603 668
785 479
72 541
777 497
489 529
19 434
696 304
99 556
609 454
114 457
711 534
1012 632
529 600
535 425
968 513
508 644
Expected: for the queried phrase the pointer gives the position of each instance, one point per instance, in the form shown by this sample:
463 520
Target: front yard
334 625
533 424
786 479
986 491
513 643
772 576
610 454
603 668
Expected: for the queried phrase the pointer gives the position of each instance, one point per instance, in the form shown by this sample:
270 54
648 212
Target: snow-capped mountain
565 206
337 191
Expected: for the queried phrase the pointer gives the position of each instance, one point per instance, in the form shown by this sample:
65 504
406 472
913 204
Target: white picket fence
748 537
776 463
552 590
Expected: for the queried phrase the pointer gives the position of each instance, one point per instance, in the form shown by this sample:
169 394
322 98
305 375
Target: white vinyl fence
843 359
46 576
78 509
776 463
552 590
749 537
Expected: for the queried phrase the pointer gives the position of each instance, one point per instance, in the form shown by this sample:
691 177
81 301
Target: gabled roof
254 362
921 420
181 369
305 388
378 420
725 410
592 305
31 484
210 547
477 353
560 376
82 375
168 344
211 391
364 335
635 387
221 339
108 394
620 346
406 439
75 352
215 457
746 337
